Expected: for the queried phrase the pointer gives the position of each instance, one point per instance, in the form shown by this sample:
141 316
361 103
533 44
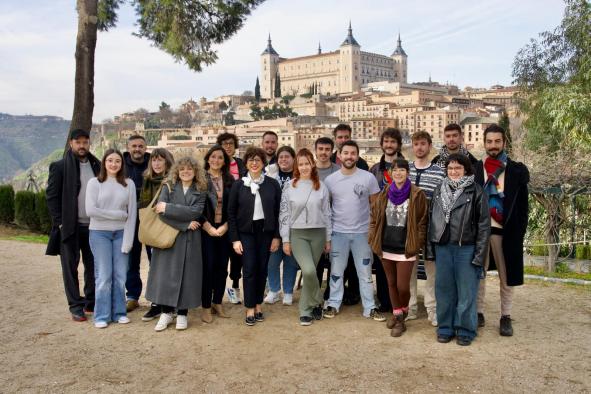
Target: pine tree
506 124
257 91
277 92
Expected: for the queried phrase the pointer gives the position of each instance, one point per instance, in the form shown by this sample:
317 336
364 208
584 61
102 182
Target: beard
349 164
493 153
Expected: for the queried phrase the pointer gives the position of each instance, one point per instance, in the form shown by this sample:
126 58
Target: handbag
153 231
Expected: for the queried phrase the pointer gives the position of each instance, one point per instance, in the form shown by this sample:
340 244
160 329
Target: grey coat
176 273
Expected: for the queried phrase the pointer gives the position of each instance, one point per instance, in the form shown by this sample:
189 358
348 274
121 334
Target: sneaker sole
149 318
305 323
329 316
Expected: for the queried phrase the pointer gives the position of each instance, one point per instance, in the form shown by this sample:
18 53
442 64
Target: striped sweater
426 178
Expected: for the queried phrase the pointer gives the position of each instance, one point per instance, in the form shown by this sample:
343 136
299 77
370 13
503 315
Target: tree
506 125
185 30
257 91
222 106
277 92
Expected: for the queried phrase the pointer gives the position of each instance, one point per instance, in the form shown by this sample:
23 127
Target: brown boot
391 322
399 327
218 309
206 315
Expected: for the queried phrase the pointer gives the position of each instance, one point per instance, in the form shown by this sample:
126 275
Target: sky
463 42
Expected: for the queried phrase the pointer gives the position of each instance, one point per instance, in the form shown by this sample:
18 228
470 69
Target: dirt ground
42 350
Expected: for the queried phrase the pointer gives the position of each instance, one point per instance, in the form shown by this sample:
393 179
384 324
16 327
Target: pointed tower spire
350 40
319 48
399 50
269 49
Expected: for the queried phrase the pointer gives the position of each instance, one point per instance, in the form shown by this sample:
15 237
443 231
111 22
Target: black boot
506 329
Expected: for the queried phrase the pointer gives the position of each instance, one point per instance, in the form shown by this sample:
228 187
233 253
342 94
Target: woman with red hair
305 228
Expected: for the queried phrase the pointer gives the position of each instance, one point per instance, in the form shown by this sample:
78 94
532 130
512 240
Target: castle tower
350 64
269 60
400 62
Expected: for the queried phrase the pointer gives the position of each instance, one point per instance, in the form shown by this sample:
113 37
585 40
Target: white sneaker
100 324
411 316
233 295
432 316
181 322
123 320
287 299
271 297
163 322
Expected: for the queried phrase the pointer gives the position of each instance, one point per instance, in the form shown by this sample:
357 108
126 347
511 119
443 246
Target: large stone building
344 70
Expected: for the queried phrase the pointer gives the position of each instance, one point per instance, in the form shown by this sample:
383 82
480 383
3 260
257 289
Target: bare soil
42 350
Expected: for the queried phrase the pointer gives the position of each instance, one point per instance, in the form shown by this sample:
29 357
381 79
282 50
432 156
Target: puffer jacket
469 222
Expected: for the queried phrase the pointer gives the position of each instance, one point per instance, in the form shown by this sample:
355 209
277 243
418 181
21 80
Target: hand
223 229
275 245
287 248
212 231
193 225
327 247
160 207
237 245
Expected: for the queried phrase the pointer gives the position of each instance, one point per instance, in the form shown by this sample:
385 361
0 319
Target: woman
216 246
174 281
159 165
253 213
305 227
285 160
397 232
458 236
111 207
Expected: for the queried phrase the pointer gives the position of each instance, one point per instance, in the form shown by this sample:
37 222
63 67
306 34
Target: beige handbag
153 231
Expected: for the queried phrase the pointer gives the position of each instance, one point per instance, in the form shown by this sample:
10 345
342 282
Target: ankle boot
206 315
399 326
218 309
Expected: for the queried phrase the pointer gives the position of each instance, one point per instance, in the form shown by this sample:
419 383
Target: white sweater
112 207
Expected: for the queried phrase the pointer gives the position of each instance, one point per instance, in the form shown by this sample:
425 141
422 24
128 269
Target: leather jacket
469 222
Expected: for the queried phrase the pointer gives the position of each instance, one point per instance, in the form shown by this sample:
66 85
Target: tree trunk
84 80
553 206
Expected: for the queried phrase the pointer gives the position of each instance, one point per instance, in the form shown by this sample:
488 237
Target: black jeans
235 268
216 252
255 260
70 252
324 263
133 284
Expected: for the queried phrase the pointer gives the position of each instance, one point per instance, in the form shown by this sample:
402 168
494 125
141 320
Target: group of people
274 208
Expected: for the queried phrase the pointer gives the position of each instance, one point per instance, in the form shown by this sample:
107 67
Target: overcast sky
468 43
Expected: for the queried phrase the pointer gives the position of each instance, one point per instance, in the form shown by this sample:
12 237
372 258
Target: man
391 144
269 145
229 143
351 189
342 133
453 140
505 182
427 176
136 161
66 197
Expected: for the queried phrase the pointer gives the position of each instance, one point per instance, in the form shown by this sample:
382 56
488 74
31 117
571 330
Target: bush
583 252
42 212
538 249
24 210
562 268
6 204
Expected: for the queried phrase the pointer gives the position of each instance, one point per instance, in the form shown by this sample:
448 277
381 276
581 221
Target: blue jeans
456 290
341 245
290 270
110 272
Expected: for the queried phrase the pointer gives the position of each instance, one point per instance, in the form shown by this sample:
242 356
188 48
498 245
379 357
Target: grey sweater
302 207
112 207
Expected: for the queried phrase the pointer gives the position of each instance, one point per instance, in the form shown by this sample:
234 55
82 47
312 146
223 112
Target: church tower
269 60
400 62
349 64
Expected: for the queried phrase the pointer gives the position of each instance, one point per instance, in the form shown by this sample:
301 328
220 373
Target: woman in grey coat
176 273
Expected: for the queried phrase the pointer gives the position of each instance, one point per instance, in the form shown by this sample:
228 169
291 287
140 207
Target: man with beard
427 176
351 190
505 182
66 197
269 145
453 140
342 133
136 161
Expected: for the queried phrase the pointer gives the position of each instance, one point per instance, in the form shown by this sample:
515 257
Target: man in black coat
505 182
66 195
136 161
453 139
342 133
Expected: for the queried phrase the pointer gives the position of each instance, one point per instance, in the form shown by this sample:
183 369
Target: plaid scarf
451 190
494 168
444 154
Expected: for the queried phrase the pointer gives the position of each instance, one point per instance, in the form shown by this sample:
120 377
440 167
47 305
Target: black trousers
216 252
381 285
255 260
133 284
351 281
235 268
70 252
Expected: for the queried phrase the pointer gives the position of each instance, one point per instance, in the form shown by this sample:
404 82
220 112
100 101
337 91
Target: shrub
538 249
583 252
562 268
6 204
42 212
24 210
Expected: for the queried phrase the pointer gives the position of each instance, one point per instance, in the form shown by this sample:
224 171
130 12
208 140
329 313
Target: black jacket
211 202
241 167
361 163
63 187
241 208
469 222
378 169
135 171
515 212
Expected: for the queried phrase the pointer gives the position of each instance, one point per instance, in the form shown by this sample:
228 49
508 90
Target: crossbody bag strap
151 205
304 206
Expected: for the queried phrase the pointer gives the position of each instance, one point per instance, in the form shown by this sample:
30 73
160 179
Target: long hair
168 159
227 178
296 169
198 179
120 176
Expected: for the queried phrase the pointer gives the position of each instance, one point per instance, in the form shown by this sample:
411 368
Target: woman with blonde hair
176 273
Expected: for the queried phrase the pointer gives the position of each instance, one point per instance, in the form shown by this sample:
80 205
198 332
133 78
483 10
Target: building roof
399 50
269 50
350 40
478 120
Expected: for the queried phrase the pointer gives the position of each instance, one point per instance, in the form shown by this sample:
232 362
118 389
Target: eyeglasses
228 143
254 160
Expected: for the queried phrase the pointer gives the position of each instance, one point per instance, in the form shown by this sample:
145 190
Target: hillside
27 139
